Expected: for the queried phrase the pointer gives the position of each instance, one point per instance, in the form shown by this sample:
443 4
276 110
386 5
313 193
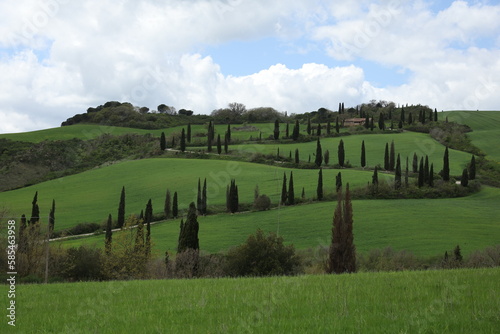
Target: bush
263 256
261 203
83 264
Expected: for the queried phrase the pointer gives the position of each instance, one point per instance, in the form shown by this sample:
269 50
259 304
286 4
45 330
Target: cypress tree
392 156
167 208
219 145
415 163
228 133
183 140
457 254
400 124
303 195
375 177
472 168
435 115
204 197
35 210
326 157
343 111
173 142
337 125
188 236
410 118
297 156
421 173
407 173
226 143
328 128
371 124
318 130
397 178
182 237
233 197
287 131
367 121
308 126
319 188
109 236
296 130
341 153
446 166
188 134
431 176
284 193
209 145
363 154
426 169
402 115
338 182
276 130
148 218
175 206
386 157
319 154
198 197
340 109
22 243
381 121
163 141
52 218
121 209
342 252
291 192
465 178
228 197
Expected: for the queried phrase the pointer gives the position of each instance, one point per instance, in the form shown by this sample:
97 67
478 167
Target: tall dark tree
188 133
173 142
446 165
226 143
188 236
183 140
367 121
397 178
464 181
121 209
337 125
435 115
386 157
291 192
400 124
175 206
148 217
276 131
340 109
219 145
410 118
319 154
204 198
308 126
318 130
381 121
421 173
297 156
198 197
52 217
392 157
35 210
341 153
371 124
375 177
167 207
319 188
228 133
328 128
426 169
415 163
363 154
296 130
109 236
287 130
342 252
326 157
338 182
472 168
284 192
343 110
233 199
163 141
402 115
407 173
431 176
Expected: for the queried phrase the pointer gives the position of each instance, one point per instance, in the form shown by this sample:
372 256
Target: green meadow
420 226
449 301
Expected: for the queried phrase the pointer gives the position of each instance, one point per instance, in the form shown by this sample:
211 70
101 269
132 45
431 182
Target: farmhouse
354 121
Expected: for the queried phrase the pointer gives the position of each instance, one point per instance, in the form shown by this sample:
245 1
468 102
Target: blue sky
57 58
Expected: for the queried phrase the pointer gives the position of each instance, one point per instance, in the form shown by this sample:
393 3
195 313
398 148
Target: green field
486 129
420 226
450 301
90 196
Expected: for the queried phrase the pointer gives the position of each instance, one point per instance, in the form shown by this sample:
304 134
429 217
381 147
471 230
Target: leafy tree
326 157
363 154
183 140
319 188
342 252
387 165
397 179
276 131
121 209
297 161
262 203
284 192
446 166
109 236
472 168
188 133
262 255
341 153
188 236
291 192
175 206
464 181
392 157
163 141
319 154
167 208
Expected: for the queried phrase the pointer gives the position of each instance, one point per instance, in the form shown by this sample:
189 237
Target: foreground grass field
92 195
451 301
426 227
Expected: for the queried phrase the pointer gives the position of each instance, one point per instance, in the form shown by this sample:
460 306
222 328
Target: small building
354 121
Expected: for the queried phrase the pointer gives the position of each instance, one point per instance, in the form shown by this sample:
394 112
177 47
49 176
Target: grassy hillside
451 301
486 126
426 227
92 195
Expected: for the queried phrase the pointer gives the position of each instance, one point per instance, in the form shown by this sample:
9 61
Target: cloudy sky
58 57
